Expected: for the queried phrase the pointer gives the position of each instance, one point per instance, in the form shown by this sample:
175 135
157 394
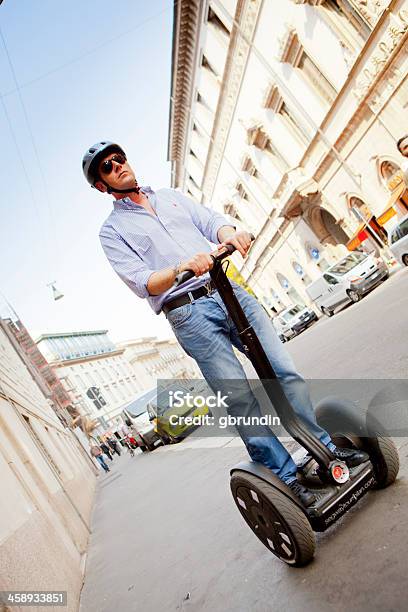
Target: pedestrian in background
106 450
114 445
97 453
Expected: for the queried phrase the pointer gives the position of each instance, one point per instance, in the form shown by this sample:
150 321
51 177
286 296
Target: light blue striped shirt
138 243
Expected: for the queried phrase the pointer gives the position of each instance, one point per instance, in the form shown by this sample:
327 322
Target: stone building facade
154 359
47 485
285 116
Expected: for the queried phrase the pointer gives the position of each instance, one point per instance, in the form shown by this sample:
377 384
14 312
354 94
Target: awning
358 237
390 210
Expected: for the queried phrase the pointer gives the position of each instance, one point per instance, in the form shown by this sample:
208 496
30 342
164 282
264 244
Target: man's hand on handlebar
199 264
240 240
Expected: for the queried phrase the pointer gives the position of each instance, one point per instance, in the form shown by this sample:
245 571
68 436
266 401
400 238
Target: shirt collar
127 204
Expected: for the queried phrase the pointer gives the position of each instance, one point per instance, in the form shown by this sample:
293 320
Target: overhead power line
82 56
34 145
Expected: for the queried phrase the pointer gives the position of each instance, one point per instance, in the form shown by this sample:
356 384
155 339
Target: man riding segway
152 236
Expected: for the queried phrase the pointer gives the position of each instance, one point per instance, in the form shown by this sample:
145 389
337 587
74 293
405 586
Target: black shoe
305 495
350 456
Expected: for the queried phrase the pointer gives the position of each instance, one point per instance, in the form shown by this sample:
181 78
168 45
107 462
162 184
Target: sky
81 72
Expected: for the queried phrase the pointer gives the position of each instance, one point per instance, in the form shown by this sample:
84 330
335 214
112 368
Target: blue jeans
102 462
206 332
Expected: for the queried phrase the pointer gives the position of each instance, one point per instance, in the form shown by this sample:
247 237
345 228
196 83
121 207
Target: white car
347 281
136 415
292 321
398 241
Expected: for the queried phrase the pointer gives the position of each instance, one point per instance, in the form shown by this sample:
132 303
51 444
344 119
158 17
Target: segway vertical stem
255 352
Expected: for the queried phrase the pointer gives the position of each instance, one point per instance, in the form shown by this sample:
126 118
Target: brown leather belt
190 296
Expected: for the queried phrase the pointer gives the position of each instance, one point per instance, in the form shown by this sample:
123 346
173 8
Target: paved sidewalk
167 536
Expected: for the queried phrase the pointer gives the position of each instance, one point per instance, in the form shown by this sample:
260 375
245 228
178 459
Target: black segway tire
276 520
390 456
348 427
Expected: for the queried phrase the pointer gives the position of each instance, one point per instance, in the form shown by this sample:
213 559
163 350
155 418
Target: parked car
293 320
347 281
398 241
160 410
137 417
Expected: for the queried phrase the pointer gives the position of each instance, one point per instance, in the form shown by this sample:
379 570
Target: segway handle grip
216 255
183 277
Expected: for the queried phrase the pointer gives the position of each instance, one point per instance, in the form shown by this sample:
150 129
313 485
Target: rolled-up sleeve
126 263
207 220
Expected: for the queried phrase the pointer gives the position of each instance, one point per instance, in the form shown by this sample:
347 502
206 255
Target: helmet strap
135 189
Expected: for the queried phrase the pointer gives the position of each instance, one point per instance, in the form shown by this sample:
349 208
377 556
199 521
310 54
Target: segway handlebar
215 255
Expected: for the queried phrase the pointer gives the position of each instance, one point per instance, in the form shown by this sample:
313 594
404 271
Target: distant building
154 359
94 371
47 479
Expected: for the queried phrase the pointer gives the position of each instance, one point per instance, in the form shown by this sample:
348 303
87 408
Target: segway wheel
348 428
278 522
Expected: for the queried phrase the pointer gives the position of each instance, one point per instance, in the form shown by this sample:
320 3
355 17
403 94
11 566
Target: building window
249 166
349 24
360 18
388 169
283 281
291 123
219 25
293 53
300 271
206 64
256 136
190 178
231 210
243 194
278 159
315 77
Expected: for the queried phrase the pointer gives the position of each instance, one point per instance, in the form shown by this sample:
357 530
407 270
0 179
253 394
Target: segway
270 508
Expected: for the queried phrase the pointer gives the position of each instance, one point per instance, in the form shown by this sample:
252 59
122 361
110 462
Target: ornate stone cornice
256 136
290 47
247 15
187 14
273 100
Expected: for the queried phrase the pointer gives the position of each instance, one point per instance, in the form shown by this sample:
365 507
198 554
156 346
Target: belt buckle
208 287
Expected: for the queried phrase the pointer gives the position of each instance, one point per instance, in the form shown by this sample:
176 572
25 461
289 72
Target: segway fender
261 471
338 415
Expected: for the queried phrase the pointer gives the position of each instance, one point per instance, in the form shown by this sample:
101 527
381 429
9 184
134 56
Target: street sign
96 396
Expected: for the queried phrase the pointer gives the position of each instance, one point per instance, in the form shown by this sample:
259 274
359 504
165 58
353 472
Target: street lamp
57 295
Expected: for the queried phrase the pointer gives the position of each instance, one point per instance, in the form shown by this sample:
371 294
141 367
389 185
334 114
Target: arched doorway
326 228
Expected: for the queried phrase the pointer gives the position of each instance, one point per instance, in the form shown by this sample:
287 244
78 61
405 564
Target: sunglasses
107 166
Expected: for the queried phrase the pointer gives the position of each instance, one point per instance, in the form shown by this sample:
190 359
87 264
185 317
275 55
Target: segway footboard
334 501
